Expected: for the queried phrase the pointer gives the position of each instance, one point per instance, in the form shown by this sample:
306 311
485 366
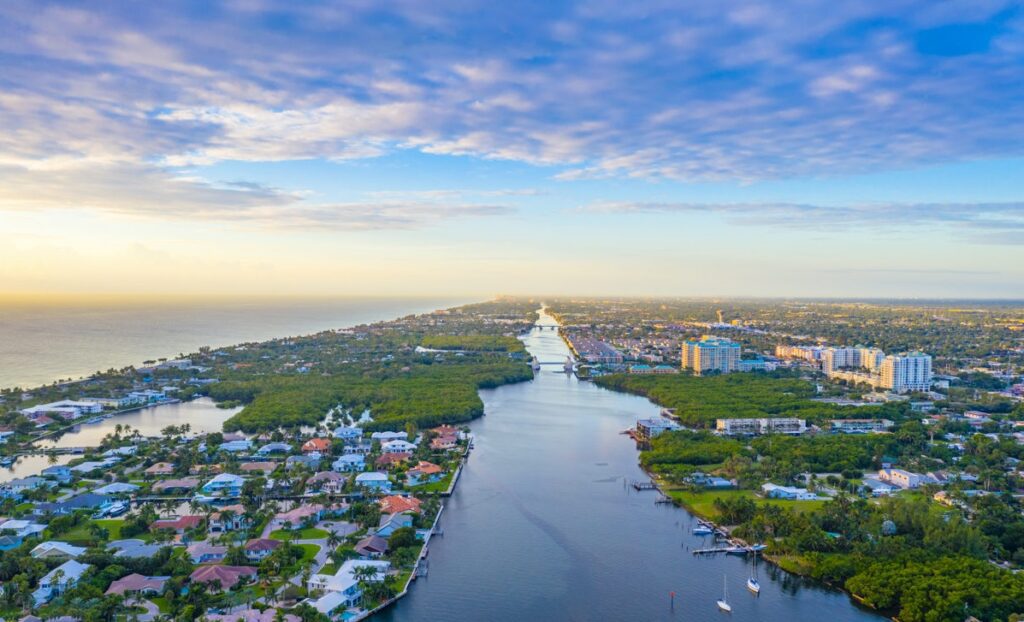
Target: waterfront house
205 553
709 481
18 528
59 580
57 472
375 481
236 446
229 518
222 577
327 481
349 462
372 546
423 473
310 461
225 484
116 488
266 468
127 450
773 491
332 604
444 443
344 582
176 485
252 615
177 525
319 445
52 549
16 488
137 584
390 461
86 501
397 446
384 437
133 548
274 448
160 468
348 434
259 549
647 429
95 465
397 503
390 522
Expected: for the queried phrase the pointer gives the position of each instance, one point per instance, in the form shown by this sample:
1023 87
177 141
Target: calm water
41 341
543 527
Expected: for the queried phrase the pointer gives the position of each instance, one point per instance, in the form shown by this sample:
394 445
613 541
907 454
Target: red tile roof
397 503
225 576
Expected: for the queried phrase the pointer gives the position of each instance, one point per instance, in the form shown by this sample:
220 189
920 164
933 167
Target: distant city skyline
468 148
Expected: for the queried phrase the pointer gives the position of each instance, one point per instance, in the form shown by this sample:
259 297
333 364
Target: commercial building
711 354
752 427
860 426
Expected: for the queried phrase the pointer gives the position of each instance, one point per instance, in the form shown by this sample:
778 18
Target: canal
543 525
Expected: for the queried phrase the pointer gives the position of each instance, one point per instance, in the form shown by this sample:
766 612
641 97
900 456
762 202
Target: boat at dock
702 530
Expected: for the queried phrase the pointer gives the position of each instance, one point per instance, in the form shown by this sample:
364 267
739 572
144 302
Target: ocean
43 340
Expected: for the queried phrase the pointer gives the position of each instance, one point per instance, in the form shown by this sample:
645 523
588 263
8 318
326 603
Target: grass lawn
309 551
329 568
439 486
161 603
702 502
311 533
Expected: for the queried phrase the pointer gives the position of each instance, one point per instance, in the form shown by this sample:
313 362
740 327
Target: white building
773 491
910 372
776 425
902 479
59 580
860 426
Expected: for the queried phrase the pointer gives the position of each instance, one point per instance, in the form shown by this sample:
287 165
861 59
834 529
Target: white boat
723 603
702 530
753 585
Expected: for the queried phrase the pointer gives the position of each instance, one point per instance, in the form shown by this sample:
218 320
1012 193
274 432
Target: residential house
85 501
266 468
225 484
236 446
424 473
58 472
372 546
384 437
327 481
116 488
59 580
253 615
15 488
296 517
274 448
391 522
319 445
396 503
310 461
259 549
229 518
332 604
176 485
773 491
349 463
177 525
137 584
205 553
374 481
223 577
344 583
133 548
397 446
160 468
21 528
348 434
390 461
358 448
53 549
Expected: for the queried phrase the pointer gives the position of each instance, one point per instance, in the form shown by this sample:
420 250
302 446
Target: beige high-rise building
909 372
711 354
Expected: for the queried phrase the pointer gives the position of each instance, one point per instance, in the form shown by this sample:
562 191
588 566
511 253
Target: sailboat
752 583
723 602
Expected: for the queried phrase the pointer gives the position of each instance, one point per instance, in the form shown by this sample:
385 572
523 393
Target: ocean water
46 340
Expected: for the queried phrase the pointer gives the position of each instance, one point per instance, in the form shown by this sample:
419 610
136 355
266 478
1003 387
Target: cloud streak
997 223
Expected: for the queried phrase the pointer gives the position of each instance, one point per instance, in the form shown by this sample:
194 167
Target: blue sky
736 148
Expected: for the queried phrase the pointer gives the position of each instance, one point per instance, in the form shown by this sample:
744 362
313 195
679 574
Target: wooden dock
644 486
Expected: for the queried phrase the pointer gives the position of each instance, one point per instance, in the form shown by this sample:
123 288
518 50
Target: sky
797 148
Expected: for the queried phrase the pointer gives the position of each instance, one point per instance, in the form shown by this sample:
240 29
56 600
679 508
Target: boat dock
637 485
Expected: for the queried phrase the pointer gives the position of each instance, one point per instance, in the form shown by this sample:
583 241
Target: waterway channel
544 526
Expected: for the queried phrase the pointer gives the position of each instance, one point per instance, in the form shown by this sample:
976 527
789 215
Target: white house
902 479
52 549
383 437
226 483
397 446
348 434
343 582
773 491
59 580
350 462
236 446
